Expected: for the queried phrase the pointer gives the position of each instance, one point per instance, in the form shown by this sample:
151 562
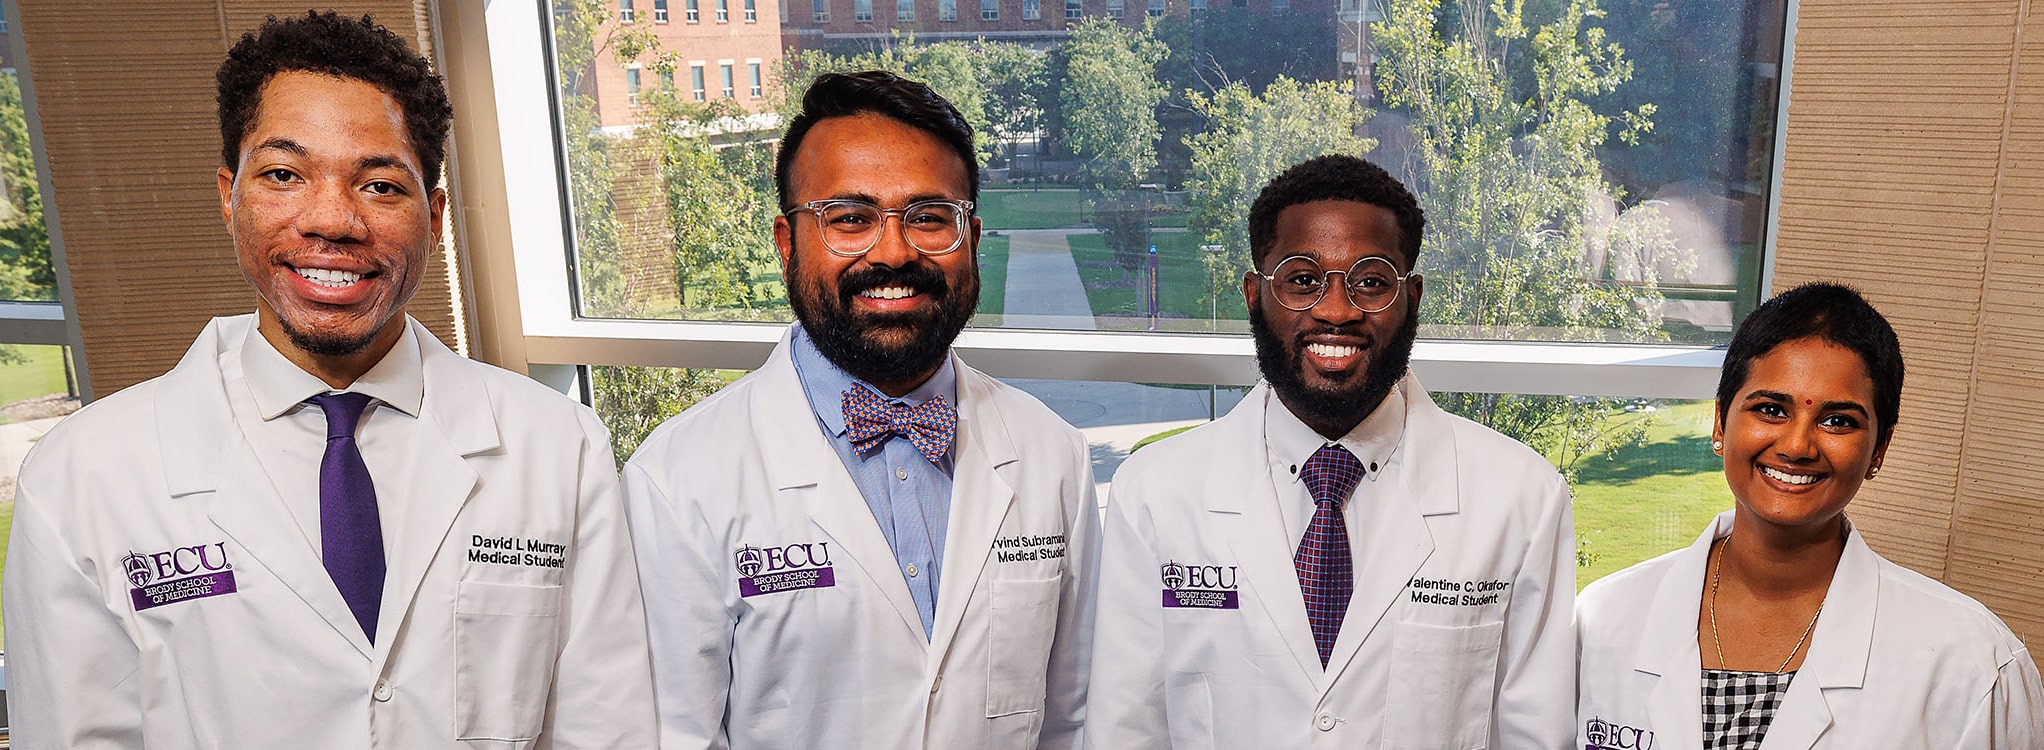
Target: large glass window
25 271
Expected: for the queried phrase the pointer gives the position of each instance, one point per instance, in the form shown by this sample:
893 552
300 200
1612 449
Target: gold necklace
1719 563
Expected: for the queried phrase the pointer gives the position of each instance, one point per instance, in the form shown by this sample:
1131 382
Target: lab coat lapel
458 422
980 500
1839 649
1393 551
808 472
1666 660
1244 506
207 459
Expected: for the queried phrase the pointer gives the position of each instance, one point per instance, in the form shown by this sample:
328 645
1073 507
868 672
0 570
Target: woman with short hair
1779 627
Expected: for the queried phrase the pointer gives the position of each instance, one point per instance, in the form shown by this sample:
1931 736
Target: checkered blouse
1738 707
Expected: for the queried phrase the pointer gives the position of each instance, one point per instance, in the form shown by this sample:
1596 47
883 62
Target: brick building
725 49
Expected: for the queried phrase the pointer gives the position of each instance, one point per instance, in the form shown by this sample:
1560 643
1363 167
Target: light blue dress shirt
910 496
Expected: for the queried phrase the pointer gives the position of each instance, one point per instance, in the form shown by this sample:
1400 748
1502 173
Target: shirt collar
279 385
824 383
1372 441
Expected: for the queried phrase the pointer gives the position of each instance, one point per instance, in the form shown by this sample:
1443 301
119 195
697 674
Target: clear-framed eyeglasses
1298 283
849 227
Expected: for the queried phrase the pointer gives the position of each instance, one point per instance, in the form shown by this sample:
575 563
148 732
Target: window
862 11
947 10
667 78
820 11
1157 7
694 11
1280 6
695 81
757 86
730 91
1032 10
990 10
1114 8
1074 9
632 86
723 11
752 11
904 10
660 11
625 13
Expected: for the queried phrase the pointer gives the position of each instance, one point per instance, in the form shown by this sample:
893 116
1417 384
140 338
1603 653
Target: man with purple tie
1337 562
323 529
866 544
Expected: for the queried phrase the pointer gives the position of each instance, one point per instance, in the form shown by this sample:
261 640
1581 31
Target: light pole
1212 255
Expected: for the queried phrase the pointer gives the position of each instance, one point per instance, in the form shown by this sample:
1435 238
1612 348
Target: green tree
1248 139
1014 79
952 69
25 272
579 39
634 400
1109 93
1514 192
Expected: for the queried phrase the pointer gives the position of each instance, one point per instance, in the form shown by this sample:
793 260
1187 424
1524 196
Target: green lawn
1028 209
1642 500
1182 286
993 275
41 375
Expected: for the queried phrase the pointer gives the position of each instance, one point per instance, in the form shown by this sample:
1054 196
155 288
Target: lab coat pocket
506 637
1021 621
1442 682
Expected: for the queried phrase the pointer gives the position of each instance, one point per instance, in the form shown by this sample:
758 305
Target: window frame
535 326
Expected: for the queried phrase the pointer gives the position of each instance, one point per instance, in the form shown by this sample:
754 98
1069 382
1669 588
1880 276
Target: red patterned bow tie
870 419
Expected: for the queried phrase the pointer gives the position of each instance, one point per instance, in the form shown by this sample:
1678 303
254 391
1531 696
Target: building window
1074 9
1280 6
947 10
625 12
904 10
667 78
632 86
730 91
1032 10
820 11
1114 8
990 10
694 12
660 11
1157 7
758 87
752 11
862 11
723 11
695 81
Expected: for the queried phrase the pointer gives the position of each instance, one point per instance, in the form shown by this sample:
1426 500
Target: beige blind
1915 172
125 91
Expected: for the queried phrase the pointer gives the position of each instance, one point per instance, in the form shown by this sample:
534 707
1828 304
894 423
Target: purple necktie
1326 576
350 536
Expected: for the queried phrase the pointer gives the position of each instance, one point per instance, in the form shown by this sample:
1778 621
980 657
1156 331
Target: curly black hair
1335 177
329 44
881 93
1827 312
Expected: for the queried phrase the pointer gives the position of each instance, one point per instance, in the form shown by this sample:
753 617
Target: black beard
1350 403
326 346
847 339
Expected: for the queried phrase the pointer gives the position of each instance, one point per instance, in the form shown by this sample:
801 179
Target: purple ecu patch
182 589
787 580
1200 599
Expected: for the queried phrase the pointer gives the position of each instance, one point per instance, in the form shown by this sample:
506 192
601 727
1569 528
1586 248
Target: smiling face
889 316
1801 436
1332 364
331 219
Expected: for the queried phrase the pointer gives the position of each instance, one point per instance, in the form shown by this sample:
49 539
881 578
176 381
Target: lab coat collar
1667 645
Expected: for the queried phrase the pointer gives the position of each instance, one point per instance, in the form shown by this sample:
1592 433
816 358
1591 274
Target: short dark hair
881 93
1828 312
329 44
1337 177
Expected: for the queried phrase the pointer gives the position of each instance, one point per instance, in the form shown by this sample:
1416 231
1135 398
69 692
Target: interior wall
125 92
1914 171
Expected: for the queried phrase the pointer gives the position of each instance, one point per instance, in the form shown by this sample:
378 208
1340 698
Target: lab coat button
382 691
1326 722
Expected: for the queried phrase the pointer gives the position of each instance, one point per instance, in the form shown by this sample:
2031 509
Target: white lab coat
1897 660
847 665
470 654
1433 651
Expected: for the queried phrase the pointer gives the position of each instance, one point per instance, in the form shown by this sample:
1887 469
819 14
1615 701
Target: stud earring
1718 447
1872 471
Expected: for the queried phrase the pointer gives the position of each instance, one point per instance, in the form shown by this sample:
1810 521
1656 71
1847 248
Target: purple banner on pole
1201 599
183 589
788 580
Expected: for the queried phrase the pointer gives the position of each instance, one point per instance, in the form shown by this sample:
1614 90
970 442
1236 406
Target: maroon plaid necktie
1326 574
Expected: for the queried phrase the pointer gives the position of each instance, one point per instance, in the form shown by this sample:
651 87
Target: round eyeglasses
851 227
1298 283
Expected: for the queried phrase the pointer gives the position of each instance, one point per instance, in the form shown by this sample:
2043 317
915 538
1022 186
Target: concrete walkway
1044 290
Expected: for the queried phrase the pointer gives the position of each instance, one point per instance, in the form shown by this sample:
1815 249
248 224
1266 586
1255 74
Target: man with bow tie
866 543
